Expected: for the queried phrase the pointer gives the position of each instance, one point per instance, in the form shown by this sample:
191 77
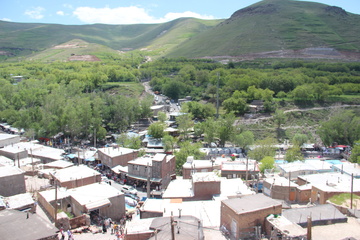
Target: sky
79 12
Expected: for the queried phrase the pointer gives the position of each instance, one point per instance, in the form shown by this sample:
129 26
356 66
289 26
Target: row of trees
300 81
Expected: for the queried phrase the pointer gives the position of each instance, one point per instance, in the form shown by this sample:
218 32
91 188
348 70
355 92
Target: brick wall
246 222
12 185
205 190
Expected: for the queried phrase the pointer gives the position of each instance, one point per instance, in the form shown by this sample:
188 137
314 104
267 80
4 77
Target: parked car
104 179
135 197
129 189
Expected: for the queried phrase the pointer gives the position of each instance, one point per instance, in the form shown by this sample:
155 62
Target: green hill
273 25
267 26
24 38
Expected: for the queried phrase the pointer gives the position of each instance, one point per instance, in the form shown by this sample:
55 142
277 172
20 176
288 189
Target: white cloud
35 12
6 19
68 5
171 16
127 15
60 13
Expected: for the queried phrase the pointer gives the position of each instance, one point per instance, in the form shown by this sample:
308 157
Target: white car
104 179
129 189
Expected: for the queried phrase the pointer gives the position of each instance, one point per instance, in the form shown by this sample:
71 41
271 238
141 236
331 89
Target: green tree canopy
294 154
267 163
156 130
263 148
343 128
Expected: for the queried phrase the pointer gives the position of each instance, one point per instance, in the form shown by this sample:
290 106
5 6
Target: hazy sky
77 12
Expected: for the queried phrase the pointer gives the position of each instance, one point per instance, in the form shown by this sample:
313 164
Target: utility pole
352 191
309 223
148 181
56 206
246 175
217 96
172 224
32 161
289 186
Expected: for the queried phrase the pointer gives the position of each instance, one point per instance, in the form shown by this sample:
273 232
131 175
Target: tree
133 142
169 143
156 130
185 123
210 128
187 149
343 127
299 139
263 148
162 116
225 128
244 139
267 163
294 154
279 118
355 152
236 103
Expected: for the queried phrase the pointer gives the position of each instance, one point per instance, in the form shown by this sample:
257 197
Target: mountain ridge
279 26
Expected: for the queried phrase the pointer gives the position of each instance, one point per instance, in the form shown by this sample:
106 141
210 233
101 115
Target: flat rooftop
297 166
15 225
179 188
9 171
207 211
321 212
280 181
239 165
93 193
116 151
4 136
74 172
332 182
250 203
286 226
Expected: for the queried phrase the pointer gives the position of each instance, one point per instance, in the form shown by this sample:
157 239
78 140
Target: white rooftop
200 164
93 193
147 159
36 150
332 182
9 171
116 151
205 177
19 200
5 136
4 161
59 164
85 194
207 211
182 188
233 187
296 166
319 164
74 172
179 188
280 181
287 227
240 165
349 168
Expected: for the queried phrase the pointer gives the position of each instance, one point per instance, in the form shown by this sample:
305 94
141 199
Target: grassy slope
62 54
265 26
276 25
38 37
